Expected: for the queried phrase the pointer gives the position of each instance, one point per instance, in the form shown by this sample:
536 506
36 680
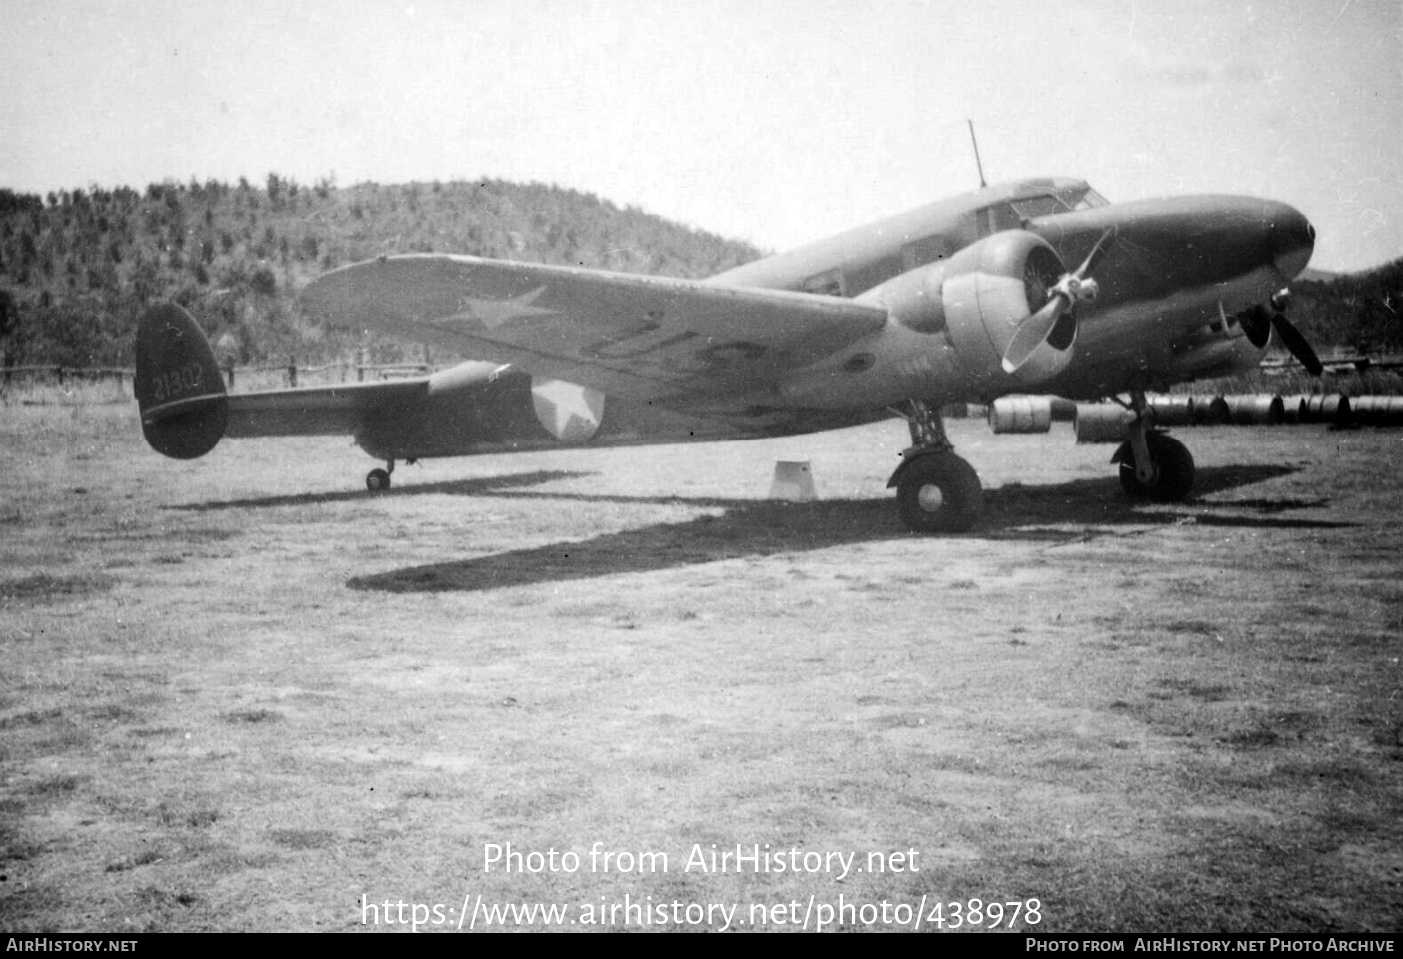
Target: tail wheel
377 480
1174 470
939 493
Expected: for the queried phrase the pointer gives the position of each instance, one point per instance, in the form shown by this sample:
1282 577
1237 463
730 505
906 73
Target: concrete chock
794 482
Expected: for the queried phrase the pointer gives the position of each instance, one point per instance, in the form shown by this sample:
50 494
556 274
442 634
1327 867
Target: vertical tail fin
179 389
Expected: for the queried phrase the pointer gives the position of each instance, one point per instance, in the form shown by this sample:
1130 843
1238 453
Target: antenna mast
978 164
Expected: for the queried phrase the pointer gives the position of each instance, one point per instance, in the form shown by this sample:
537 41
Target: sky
773 121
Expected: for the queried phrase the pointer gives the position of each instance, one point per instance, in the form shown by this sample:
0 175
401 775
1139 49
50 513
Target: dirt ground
623 689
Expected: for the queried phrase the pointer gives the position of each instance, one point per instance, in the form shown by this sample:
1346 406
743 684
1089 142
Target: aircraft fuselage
938 295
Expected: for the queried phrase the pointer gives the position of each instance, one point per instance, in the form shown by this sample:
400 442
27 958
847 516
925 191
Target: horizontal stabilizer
323 410
179 390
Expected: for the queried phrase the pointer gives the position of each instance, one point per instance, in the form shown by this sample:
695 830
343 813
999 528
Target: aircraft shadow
469 487
1061 513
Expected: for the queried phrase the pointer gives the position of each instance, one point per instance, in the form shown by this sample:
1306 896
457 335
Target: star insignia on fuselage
493 313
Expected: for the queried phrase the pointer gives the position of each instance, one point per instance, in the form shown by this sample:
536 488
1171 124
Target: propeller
1070 289
1260 319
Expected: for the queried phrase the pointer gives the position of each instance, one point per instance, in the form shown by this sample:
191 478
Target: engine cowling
979 298
949 327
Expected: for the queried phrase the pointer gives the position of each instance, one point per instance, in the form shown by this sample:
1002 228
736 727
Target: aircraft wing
635 337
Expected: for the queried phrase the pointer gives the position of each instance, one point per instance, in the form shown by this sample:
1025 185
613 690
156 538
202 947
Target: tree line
78 267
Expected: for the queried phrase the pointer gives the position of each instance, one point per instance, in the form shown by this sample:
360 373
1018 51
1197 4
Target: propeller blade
1097 251
1297 343
1031 333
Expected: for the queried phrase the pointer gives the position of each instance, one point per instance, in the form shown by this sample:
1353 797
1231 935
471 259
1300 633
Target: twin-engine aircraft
1039 286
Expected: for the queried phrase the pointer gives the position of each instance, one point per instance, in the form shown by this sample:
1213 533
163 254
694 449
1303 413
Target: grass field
240 693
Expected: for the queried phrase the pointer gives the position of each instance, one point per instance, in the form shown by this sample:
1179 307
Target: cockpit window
1090 200
1035 206
1076 197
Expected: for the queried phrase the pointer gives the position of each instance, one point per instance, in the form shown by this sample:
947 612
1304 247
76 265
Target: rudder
179 390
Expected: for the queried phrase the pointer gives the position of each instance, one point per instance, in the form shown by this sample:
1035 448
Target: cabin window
865 277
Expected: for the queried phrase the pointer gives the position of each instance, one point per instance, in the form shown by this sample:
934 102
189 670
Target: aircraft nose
1292 239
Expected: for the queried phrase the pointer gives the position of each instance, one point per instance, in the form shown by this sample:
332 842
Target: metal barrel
1102 423
1211 411
1173 410
1293 409
1378 410
1326 408
1255 410
1021 414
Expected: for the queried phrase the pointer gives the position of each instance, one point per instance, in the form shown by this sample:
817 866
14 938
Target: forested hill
78 267
1355 312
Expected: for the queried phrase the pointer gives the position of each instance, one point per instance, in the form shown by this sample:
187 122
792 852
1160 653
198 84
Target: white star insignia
493 313
570 412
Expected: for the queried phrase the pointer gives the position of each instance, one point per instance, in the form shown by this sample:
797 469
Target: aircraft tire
377 481
1176 470
939 493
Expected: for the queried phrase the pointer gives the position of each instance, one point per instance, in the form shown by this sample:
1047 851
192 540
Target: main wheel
377 480
1175 468
939 493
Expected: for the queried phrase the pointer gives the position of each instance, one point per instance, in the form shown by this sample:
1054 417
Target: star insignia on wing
494 313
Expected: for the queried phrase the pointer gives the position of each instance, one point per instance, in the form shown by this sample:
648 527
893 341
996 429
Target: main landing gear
1153 466
936 491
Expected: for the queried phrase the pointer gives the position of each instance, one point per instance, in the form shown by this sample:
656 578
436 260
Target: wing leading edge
642 338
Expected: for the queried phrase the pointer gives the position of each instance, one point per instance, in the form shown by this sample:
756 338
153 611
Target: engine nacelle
1228 345
979 298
